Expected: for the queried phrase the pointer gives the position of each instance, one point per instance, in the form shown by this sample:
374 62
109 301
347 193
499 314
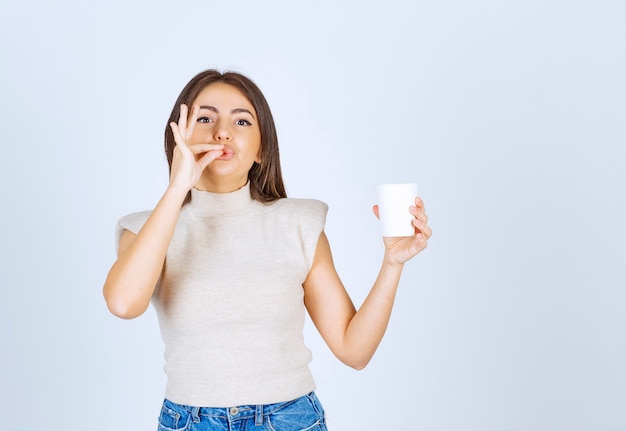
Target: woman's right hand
189 161
133 277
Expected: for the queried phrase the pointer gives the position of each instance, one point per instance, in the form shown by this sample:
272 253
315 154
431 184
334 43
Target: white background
509 114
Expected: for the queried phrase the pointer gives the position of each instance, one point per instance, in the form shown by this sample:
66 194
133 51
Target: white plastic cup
394 201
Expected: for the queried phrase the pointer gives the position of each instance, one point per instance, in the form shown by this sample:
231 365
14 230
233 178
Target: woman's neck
220 185
207 203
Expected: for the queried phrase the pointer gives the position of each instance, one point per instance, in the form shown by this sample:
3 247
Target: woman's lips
229 153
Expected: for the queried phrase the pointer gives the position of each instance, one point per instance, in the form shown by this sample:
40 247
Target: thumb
208 157
375 210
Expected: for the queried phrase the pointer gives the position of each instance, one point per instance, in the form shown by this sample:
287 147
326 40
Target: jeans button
234 411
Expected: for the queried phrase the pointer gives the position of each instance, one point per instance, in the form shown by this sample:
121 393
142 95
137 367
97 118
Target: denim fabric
302 414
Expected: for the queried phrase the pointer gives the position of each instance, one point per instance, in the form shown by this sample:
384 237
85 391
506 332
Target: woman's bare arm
353 336
133 277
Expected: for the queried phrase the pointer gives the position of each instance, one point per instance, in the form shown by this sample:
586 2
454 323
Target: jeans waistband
247 411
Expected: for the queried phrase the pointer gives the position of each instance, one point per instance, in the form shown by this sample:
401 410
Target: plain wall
509 114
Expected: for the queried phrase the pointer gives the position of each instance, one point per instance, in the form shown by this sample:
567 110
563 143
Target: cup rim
396 184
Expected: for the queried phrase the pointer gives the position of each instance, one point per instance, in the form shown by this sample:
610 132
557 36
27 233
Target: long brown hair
266 179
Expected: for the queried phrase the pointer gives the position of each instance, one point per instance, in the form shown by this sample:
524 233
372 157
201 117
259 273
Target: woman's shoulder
133 221
298 212
300 204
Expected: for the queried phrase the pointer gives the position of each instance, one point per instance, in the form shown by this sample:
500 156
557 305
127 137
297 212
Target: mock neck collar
209 203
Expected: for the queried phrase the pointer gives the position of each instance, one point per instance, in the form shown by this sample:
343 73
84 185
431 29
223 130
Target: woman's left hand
401 249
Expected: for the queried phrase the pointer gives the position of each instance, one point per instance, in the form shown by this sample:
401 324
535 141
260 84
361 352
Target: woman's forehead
224 95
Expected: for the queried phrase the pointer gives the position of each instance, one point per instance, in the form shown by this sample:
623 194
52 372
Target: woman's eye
243 123
204 120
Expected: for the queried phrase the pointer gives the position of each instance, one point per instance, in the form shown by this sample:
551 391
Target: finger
205 160
419 214
418 209
427 232
203 148
175 131
420 243
375 210
423 228
420 240
182 119
419 203
180 142
192 121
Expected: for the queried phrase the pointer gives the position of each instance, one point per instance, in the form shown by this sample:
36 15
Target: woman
230 264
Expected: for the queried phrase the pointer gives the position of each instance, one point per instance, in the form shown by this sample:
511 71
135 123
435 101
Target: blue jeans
302 414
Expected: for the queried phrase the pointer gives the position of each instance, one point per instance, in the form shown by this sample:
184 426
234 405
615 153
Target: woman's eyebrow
234 111
240 110
210 108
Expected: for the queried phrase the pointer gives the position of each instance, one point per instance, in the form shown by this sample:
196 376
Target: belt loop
195 414
258 415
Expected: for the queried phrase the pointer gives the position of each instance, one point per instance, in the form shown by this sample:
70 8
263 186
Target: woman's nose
222 132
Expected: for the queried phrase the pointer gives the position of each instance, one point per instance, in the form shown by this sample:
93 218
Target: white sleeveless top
230 298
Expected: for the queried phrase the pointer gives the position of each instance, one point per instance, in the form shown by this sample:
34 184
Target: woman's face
227 117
